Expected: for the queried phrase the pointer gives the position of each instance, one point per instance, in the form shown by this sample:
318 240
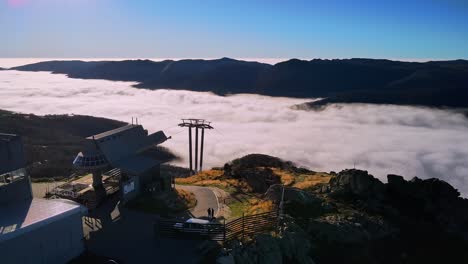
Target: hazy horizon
13 62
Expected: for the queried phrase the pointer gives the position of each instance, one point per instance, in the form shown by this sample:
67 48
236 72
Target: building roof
137 164
113 131
25 216
8 137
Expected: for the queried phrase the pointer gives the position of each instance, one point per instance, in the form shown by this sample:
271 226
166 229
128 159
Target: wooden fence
240 228
251 225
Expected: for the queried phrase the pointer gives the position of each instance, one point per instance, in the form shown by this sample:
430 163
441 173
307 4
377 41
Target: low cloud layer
381 139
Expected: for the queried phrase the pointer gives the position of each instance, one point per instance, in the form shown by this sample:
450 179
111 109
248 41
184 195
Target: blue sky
430 29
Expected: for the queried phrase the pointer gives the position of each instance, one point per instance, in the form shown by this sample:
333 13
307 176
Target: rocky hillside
434 83
51 142
355 218
255 173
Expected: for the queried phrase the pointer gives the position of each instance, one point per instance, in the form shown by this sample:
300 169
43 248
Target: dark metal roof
113 131
8 137
137 164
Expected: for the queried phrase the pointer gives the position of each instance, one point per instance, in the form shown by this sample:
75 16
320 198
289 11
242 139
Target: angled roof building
50 230
123 150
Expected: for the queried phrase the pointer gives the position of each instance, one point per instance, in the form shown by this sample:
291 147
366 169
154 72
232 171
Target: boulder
258 160
260 179
356 182
269 251
295 247
395 180
292 247
293 194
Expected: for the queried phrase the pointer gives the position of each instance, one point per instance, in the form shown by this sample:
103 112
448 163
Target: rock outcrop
356 182
356 218
255 170
291 247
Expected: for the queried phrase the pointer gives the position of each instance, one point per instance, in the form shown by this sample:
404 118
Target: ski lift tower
197 124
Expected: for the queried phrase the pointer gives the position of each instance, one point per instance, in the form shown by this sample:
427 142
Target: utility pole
201 147
197 124
196 149
190 147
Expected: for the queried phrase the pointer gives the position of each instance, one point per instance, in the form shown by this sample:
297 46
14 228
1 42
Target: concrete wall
11 153
55 243
18 190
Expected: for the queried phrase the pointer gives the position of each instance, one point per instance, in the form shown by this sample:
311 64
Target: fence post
224 231
243 218
156 227
280 213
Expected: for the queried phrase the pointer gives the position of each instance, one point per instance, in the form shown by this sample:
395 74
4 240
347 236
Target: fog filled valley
383 139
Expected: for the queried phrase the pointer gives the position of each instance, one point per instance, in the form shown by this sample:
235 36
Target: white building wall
54 243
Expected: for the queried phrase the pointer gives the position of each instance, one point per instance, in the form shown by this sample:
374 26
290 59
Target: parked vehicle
194 225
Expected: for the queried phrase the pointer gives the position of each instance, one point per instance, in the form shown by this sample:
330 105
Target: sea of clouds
382 139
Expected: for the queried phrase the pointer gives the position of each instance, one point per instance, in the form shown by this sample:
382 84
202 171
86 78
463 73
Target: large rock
297 202
269 251
295 247
259 160
260 179
436 200
292 247
356 182
275 192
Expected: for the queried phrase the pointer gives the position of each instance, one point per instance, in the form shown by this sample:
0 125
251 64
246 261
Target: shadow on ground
128 236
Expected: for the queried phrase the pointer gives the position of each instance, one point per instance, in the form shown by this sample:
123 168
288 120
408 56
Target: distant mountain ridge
434 83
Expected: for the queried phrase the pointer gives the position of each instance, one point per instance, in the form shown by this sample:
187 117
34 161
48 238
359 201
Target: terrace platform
80 189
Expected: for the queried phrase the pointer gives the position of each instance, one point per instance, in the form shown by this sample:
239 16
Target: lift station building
127 153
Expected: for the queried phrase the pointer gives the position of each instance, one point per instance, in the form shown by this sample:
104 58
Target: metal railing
240 228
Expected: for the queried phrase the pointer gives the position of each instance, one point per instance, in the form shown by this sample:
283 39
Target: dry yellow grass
258 206
286 177
186 198
249 206
215 178
308 181
202 176
301 180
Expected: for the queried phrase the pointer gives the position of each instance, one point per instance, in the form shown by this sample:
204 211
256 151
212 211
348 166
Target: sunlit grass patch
249 206
301 180
307 181
215 178
287 177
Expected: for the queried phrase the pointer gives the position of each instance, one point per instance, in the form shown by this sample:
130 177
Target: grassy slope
243 200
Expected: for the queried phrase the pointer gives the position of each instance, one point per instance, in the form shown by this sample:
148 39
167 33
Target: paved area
128 236
40 188
206 198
